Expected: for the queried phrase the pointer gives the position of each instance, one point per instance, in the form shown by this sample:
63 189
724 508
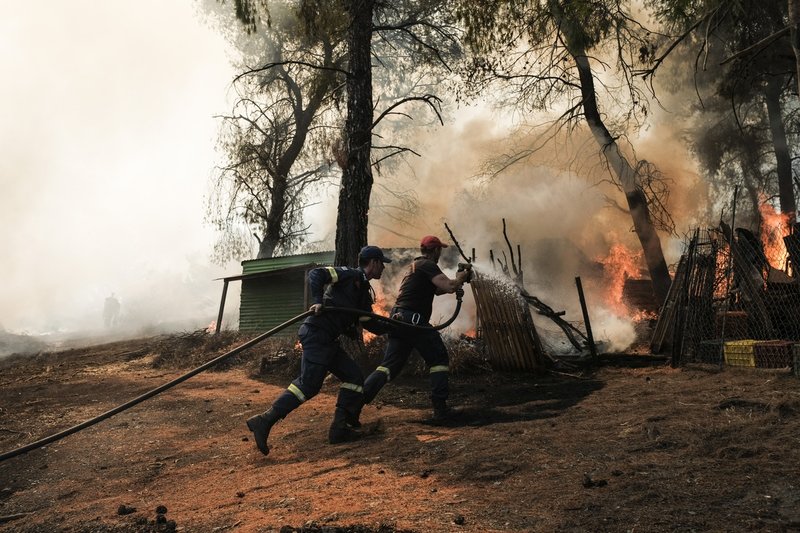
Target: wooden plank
482 294
505 327
751 292
511 340
667 315
221 307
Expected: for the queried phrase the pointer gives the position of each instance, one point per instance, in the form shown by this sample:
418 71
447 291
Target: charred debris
735 300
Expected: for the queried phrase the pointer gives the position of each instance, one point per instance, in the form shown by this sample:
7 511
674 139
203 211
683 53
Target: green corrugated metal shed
274 290
272 264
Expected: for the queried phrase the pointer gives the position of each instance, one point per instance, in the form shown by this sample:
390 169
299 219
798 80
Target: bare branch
456 243
269 66
430 100
397 150
756 47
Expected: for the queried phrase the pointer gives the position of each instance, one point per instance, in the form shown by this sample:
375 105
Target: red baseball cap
429 242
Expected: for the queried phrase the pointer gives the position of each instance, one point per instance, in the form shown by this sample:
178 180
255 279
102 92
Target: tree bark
782 156
352 217
266 248
794 27
637 202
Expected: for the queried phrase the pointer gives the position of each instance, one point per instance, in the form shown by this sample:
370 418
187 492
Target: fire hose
252 342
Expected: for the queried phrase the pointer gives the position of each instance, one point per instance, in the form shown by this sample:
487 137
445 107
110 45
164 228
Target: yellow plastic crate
740 353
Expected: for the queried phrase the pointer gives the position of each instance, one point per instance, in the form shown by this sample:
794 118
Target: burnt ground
618 447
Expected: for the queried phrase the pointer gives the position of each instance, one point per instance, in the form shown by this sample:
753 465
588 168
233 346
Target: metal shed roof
256 268
272 264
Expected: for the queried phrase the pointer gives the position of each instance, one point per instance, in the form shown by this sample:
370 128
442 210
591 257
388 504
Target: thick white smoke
557 208
108 137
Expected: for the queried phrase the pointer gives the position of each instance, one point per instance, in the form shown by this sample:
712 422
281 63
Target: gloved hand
464 274
317 308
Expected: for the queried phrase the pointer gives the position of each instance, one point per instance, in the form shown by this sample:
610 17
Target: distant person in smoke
423 280
111 311
322 353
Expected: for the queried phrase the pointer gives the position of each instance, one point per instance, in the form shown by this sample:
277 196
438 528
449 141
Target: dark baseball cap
373 252
429 242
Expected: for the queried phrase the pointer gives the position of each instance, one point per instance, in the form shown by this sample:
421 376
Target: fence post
592 347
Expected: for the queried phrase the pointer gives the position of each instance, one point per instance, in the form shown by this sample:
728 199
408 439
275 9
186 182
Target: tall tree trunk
794 26
575 37
275 217
266 247
782 156
637 202
352 218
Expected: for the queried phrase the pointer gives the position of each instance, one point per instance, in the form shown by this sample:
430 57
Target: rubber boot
442 413
352 419
260 425
340 430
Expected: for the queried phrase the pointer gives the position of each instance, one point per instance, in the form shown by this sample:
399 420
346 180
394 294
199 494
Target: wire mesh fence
735 300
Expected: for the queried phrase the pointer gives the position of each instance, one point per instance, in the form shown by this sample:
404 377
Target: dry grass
281 355
194 348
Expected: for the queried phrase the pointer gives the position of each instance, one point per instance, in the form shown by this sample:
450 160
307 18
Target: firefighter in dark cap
330 287
422 282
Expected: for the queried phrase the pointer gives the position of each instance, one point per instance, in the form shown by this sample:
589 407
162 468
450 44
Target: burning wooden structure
730 302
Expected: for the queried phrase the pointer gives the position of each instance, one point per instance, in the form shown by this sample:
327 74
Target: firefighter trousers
322 354
431 348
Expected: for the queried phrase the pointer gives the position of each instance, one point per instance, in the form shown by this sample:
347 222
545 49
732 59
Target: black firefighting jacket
342 287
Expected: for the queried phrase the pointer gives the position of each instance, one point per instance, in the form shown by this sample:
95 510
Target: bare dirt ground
619 447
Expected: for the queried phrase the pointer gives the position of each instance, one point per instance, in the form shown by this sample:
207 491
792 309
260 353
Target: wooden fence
506 326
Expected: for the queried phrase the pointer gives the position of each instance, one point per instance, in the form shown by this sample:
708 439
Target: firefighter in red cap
319 333
422 282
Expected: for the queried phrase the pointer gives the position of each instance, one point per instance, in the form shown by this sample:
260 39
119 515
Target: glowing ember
643 314
775 226
619 265
471 333
721 287
298 346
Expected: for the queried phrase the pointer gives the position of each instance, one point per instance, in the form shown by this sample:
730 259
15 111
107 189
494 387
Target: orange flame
619 265
380 307
722 261
211 328
775 226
